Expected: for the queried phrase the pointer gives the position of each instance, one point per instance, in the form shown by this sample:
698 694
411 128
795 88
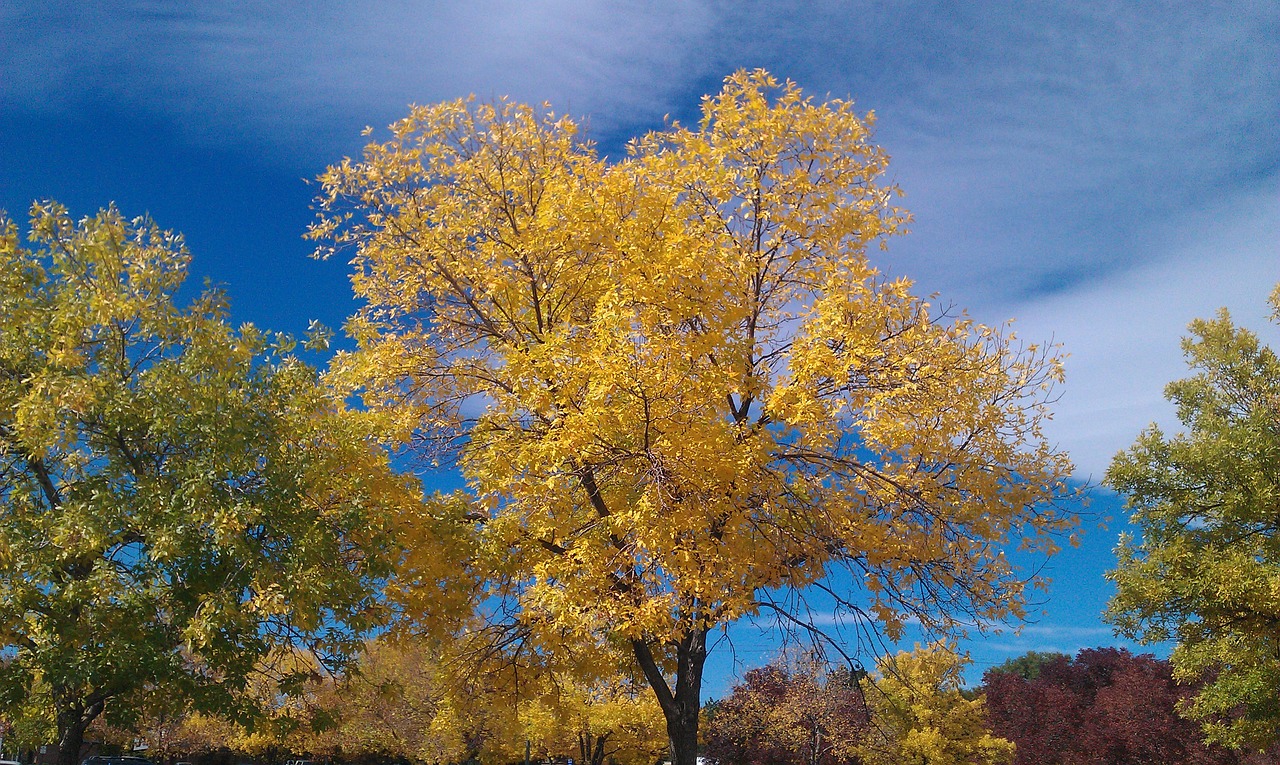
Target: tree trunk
73 721
681 704
71 729
591 748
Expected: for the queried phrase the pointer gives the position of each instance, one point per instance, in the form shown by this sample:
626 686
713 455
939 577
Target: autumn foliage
788 713
1105 706
920 713
912 709
675 382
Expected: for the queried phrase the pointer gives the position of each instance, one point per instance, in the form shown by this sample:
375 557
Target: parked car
124 759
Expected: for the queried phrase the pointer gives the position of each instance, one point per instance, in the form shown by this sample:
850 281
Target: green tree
180 500
1029 665
1205 569
677 386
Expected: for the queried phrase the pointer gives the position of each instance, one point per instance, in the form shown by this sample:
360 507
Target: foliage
28 724
1205 570
921 716
789 713
595 720
1104 706
406 699
465 710
383 707
589 705
179 499
1029 665
196 735
676 384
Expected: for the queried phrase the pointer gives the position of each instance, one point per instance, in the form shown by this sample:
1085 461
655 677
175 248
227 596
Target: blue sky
1102 171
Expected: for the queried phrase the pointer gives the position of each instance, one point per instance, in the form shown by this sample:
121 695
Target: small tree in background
920 714
800 712
1104 707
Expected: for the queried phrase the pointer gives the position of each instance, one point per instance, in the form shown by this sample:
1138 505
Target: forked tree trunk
681 704
71 728
591 748
73 720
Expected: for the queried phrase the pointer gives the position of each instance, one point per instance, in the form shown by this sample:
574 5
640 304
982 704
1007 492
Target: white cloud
1042 149
301 77
1123 332
1037 146
1063 631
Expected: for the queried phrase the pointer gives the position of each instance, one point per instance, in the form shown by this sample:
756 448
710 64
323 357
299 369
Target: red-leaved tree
1104 707
801 713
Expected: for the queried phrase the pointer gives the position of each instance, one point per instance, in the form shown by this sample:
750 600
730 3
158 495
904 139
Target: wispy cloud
1062 631
1039 150
1102 171
301 76
1122 333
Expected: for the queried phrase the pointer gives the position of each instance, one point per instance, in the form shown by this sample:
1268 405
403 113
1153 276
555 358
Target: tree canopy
1205 567
1104 706
911 711
797 712
180 500
920 714
675 383
1029 665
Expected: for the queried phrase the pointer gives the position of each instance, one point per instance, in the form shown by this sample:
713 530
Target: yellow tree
382 708
615 720
594 710
411 699
675 383
919 716
495 705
